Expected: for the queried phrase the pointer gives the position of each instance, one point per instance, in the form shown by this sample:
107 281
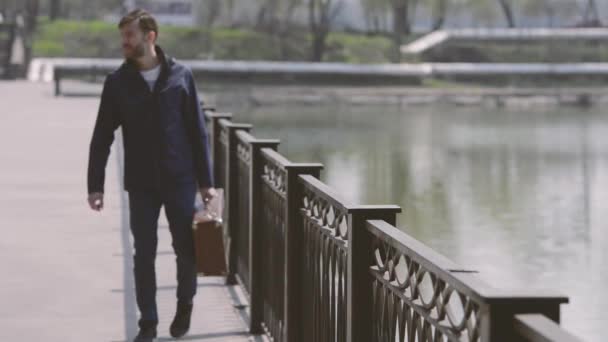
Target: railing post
293 252
232 191
359 283
214 136
499 324
255 237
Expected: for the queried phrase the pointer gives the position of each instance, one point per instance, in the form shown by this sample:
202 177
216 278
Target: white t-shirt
150 76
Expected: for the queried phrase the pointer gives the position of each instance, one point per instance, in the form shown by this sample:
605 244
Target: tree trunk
30 21
54 10
401 23
316 23
267 14
550 15
318 47
401 27
261 16
440 12
591 12
284 29
321 14
508 12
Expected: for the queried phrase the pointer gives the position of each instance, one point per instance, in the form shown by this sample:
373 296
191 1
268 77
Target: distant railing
318 268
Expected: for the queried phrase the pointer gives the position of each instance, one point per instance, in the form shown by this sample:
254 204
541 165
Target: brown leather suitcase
208 238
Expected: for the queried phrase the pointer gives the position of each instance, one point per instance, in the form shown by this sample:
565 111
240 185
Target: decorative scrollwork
417 301
223 138
273 237
325 214
325 268
243 152
243 230
275 177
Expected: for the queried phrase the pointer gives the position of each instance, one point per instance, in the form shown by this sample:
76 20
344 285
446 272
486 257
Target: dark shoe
146 334
181 322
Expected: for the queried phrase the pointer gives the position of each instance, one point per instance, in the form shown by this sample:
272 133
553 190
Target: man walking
154 100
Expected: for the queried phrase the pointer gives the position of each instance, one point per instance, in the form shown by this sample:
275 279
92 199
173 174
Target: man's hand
207 194
96 201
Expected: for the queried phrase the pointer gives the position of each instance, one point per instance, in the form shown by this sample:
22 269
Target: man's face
133 40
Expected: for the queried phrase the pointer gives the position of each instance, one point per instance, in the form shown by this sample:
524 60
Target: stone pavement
66 271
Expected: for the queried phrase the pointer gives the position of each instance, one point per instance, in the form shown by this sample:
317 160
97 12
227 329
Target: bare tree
401 25
321 14
230 10
25 14
507 9
214 10
9 9
206 15
376 14
591 15
440 9
54 9
285 23
276 18
552 10
267 13
275 12
31 8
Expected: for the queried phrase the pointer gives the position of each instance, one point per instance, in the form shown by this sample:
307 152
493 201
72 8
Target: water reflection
520 196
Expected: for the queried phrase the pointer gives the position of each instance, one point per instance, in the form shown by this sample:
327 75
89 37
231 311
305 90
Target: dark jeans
144 209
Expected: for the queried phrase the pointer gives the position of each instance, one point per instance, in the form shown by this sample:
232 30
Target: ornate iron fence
317 268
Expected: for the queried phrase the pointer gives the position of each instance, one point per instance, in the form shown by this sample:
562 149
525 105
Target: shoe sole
181 335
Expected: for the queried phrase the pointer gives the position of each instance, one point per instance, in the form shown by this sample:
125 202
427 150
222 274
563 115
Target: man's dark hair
145 20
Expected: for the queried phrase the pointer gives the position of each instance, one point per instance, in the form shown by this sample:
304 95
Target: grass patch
100 39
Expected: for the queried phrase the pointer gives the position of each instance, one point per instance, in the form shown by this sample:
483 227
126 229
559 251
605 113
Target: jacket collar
165 62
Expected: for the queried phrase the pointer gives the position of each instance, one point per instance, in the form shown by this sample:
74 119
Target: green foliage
76 39
48 48
63 38
552 51
357 48
243 45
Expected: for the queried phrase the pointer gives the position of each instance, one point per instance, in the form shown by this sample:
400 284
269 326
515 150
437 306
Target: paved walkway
66 270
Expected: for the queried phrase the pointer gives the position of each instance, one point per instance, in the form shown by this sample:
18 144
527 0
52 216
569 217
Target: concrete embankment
231 94
407 96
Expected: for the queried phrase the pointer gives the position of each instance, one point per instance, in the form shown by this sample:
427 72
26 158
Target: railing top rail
539 328
214 114
326 192
457 276
276 158
247 138
244 136
207 107
418 251
229 124
460 278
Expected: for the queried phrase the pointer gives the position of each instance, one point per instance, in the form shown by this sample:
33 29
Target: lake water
519 195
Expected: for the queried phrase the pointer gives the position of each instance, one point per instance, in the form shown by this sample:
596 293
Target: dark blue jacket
164 134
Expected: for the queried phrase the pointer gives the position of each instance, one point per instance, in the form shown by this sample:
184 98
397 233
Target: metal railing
318 268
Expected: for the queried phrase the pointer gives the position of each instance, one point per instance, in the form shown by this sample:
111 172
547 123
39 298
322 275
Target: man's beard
138 51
